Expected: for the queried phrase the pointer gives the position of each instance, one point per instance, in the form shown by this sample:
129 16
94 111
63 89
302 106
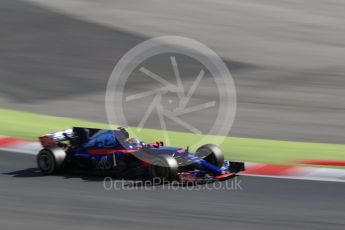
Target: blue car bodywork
111 152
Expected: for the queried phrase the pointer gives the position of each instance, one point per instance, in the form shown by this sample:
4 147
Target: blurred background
286 57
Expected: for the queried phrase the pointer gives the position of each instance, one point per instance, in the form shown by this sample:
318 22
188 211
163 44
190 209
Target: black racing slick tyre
211 153
164 168
49 161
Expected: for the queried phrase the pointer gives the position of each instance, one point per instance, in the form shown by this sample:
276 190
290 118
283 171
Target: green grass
30 126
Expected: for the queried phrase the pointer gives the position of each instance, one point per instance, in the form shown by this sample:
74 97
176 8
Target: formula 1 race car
112 152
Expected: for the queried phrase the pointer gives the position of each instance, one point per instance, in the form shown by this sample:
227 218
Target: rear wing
52 139
79 135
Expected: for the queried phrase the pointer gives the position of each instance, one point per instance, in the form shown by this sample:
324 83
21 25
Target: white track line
21 151
297 178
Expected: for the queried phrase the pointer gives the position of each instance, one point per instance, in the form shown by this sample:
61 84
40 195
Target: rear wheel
164 168
50 160
211 153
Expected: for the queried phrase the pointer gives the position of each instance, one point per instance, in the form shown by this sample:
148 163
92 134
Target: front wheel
164 168
211 153
50 160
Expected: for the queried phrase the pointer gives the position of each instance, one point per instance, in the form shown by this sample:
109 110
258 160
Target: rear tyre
163 168
49 161
211 153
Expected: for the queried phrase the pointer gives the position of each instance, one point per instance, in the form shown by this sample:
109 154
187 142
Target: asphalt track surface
32 201
286 59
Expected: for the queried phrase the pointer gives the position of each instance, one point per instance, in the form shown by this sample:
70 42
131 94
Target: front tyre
50 160
164 168
211 153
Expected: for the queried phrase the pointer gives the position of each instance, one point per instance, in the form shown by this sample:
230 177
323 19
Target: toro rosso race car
113 153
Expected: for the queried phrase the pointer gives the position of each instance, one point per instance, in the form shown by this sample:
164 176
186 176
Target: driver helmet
133 141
